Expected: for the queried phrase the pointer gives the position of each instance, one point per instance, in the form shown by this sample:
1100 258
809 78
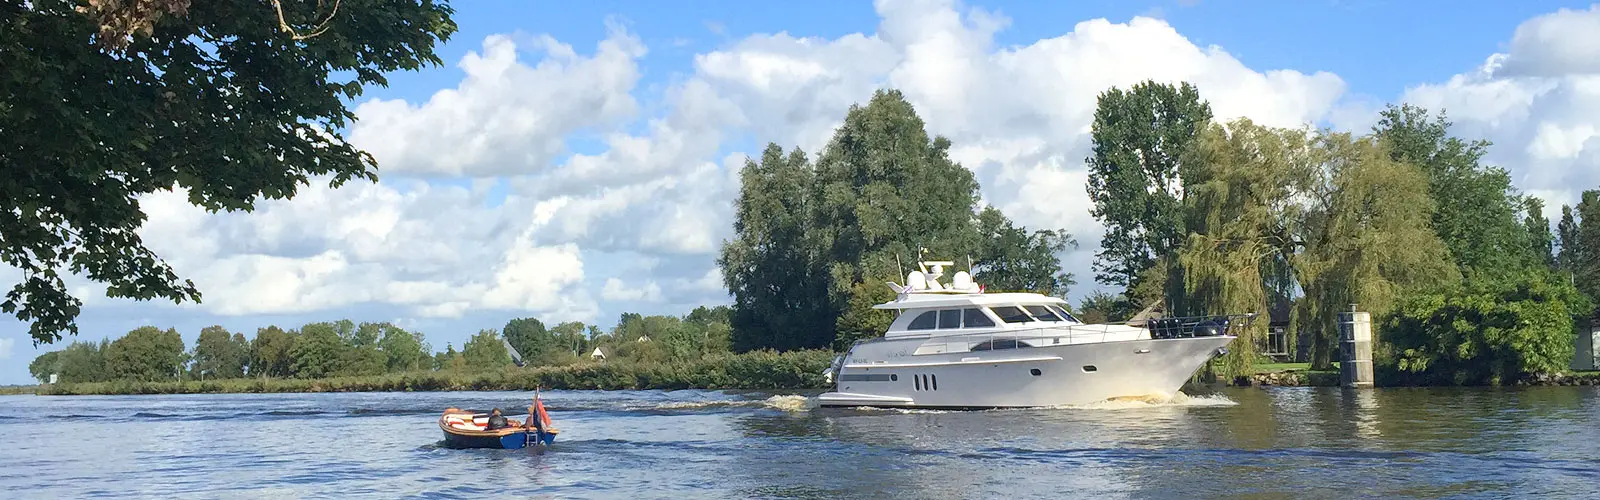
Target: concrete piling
1355 347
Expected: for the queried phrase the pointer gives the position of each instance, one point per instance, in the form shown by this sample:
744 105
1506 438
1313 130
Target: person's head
495 412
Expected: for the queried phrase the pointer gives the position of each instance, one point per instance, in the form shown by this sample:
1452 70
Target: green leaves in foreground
215 98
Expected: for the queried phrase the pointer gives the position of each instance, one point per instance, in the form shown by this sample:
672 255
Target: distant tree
1493 330
85 362
1586 260
1475 206
45 365
773 266
485 351
218 354
449 359
271 353
1010 259
403 350
1100 307
1539 236
146 353
362 354
1136 171
107 101
318 352
529 337
1567 239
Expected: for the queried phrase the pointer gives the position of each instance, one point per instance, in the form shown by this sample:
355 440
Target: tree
218 354
317 352
271 353
234 101
1541 242
362 354
1475 206
1100 307
1365 236
485 351
772 266
403 350
84 362
1010 259
1567 239
1136 174
1586 258
45 365
146 353
886 190
529 337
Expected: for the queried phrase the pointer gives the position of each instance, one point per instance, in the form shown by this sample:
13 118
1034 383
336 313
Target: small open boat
466 429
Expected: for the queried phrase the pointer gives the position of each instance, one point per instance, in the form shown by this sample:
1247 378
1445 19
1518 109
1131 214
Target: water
1239 443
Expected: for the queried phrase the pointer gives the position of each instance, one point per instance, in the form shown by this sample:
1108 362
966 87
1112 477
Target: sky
571 162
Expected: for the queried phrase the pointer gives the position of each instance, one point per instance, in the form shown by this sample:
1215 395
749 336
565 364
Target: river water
1237 443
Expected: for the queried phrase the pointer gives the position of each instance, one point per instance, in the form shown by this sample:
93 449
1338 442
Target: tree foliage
1140 137
1585 258
219 353
146 353
220 98
271 353
814 244
485 350
1487 330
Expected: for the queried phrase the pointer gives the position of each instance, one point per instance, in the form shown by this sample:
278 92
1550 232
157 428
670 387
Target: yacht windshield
1064 314
1043 313
1011 314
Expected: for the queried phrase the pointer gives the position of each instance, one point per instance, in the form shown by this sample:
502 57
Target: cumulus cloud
1539 105
505 117
1565 42
616 290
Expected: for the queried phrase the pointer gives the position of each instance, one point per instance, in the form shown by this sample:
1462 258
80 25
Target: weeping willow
1364 236
1238 215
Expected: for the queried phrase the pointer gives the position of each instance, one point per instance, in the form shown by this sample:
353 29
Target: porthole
1089 368
894 378
1036 372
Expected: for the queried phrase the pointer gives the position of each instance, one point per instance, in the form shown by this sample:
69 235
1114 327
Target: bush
1484 331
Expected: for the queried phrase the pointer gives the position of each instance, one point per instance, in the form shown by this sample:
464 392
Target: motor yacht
953 346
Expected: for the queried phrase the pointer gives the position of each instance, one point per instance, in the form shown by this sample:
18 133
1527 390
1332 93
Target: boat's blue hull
511 441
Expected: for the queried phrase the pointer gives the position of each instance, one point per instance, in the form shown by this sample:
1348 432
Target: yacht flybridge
954 346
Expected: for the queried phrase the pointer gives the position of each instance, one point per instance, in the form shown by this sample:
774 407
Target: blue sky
456 239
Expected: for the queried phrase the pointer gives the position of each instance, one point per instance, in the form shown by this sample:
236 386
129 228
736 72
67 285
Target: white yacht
953 346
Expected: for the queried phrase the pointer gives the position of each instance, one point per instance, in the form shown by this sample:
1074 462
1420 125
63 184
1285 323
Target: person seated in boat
497 421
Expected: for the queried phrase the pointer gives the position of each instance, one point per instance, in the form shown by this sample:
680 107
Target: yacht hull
1052 375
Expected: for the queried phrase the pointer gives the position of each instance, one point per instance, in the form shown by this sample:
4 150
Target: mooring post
1355 347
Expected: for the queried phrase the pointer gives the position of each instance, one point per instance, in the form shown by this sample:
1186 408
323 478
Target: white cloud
6 345
1565 42
616 290
505 117
1539 105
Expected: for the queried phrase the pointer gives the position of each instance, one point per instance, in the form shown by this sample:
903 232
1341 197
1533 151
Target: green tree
1539 236
1567 239
1586 260
1487 330
1136 170
403 350
1364 238
219 354
449 359
85 362
772 266
530 338
318 352
128 98
362 354
45 365
146 353
1475 206
1101 307
886 190
485 351
1011 259
271 353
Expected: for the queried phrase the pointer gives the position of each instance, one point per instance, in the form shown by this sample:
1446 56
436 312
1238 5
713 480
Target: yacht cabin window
973 317
950 319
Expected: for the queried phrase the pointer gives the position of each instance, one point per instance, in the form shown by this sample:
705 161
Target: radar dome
961 281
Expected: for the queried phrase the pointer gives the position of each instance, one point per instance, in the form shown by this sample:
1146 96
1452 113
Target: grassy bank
755 370
11 390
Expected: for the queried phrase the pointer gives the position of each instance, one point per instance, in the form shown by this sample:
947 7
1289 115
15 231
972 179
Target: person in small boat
497 421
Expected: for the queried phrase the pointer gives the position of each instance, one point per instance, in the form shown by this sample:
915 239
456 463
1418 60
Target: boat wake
1177 400
790 402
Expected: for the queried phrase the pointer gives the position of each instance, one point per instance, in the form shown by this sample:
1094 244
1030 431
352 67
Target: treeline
1466 281
815 241
347 349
